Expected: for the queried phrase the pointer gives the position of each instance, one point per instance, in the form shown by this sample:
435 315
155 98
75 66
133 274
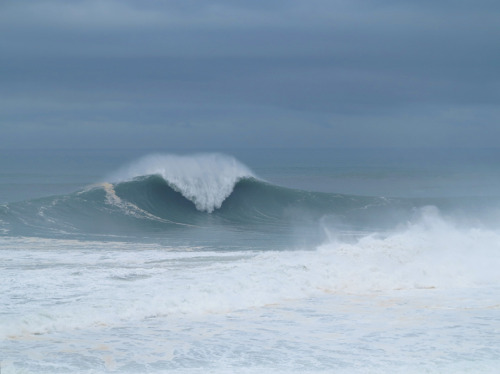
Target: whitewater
202 263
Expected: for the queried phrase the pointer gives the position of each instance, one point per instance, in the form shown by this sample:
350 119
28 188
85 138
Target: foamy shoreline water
117 307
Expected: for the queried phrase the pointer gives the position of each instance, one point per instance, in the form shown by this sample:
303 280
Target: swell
255 212
152 205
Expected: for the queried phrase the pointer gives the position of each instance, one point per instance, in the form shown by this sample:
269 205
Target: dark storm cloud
324 72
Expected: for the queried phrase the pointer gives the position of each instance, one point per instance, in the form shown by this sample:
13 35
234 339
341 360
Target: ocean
250 261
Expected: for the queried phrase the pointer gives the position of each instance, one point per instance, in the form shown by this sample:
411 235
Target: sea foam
431 253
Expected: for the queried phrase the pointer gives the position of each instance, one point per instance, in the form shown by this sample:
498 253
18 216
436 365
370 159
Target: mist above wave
206 179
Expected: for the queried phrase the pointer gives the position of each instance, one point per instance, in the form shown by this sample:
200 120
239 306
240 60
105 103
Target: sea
250 261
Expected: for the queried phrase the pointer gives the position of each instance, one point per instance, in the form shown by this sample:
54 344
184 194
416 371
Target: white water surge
384 301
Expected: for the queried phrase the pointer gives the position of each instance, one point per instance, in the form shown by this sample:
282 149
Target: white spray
205 179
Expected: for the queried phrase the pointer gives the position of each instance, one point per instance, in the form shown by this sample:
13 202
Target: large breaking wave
198 199
205 179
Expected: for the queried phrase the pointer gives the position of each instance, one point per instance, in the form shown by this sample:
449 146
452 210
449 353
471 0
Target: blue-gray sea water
239 261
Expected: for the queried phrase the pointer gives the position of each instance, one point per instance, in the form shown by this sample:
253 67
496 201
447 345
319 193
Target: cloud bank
246 74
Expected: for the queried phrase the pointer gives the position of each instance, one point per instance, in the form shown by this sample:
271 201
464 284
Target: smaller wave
205 179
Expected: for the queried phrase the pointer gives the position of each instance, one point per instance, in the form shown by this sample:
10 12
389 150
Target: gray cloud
245 73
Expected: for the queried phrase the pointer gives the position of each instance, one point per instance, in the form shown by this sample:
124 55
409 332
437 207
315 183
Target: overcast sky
254 73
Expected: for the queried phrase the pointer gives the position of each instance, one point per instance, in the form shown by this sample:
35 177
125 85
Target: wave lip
206 179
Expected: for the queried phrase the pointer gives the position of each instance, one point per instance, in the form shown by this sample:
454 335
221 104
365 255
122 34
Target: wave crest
205 179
